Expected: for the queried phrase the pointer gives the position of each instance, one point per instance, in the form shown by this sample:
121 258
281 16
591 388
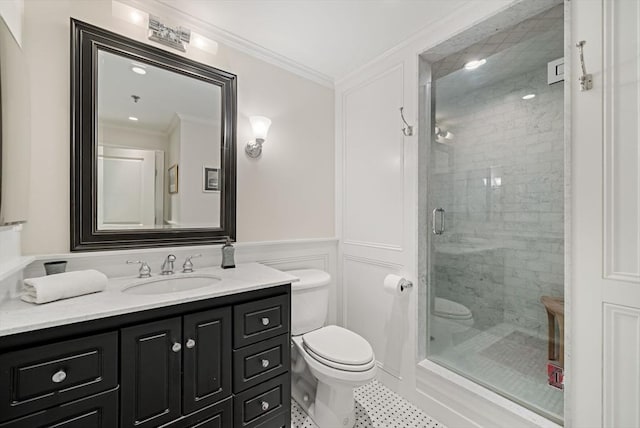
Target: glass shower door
496 203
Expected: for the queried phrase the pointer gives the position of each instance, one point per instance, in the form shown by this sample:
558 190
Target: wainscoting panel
622 139
621 371
381 318
373 153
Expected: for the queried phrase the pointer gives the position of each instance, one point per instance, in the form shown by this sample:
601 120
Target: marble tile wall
500 180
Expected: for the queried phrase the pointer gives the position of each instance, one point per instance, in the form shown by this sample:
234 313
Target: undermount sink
171 284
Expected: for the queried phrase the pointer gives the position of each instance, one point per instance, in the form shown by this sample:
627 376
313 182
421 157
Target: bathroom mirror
153 145
15 129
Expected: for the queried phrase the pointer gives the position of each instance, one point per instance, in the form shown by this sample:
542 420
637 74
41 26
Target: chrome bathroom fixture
187 266
260 126
144 271
435 228
407 129
167 266
586 80
442 133
176 38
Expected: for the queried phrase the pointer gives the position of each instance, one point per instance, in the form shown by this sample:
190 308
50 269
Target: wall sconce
260 126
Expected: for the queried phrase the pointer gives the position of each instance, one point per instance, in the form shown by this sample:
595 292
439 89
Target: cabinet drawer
283 420
96 411
45 376
256 321
219 415
259 404
258 362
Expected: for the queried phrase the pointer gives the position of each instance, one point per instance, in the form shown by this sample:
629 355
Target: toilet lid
448 309
309 278
338 345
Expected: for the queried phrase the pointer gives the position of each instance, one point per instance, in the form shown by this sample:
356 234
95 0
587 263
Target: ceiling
332 37
523 48
163 95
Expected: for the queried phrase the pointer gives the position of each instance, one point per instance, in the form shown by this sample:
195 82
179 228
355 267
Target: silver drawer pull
176 347
265 363
59 376
265 406
191 343
265 321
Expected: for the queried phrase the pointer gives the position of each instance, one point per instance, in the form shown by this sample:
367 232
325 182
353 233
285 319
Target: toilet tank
309 300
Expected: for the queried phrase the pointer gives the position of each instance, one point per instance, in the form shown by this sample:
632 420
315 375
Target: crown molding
231 40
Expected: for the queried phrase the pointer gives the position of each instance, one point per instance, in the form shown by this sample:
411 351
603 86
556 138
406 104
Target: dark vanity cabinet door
207 358
151 373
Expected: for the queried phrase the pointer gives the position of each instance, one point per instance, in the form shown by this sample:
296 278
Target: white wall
372 149
197 208
287 194
110 134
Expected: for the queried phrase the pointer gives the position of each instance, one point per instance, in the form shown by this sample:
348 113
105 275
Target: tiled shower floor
511 360
376 407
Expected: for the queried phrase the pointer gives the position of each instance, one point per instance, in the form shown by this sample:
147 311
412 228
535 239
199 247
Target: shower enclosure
494 186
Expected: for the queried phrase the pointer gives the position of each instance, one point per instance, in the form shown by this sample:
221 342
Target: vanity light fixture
472 65
133 118
260 126
174 37
138 70
529 96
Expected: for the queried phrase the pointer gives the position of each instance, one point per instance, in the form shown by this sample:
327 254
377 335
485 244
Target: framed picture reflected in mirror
211 179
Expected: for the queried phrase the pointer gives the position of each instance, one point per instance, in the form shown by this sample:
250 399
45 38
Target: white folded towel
62 286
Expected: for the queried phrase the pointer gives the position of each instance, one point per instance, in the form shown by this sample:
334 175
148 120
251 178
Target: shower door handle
434 226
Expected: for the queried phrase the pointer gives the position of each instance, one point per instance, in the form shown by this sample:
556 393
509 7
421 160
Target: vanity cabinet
175 366
221 362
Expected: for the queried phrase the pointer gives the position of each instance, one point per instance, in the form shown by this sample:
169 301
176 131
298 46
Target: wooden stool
555 312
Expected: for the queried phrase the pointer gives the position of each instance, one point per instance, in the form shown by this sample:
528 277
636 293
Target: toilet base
334 406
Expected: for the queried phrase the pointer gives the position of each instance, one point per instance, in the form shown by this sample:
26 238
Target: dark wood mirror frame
86 39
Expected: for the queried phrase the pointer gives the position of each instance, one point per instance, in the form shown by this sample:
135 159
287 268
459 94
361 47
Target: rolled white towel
62 286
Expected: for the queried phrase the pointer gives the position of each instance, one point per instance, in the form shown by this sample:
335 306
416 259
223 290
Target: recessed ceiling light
133 118
138 70
472 65
529 96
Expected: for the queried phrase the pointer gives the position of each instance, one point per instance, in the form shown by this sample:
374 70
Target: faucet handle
145 270
187 267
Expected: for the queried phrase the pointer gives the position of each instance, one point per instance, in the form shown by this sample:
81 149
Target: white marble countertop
17 316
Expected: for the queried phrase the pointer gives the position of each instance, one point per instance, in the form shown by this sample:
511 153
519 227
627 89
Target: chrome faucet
187 267
144 271
167 266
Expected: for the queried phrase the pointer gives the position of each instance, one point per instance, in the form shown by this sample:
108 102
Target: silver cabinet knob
265 363
265 406
176 347
59 376
265 321
191 343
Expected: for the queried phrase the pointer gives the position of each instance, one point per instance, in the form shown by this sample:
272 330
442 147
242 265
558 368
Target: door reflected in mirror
159 141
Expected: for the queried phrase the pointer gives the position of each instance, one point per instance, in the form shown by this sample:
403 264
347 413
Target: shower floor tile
376 407
512 361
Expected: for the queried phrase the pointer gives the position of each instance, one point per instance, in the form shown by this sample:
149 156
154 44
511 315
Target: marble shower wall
500 180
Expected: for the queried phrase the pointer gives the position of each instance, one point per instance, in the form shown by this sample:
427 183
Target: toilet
448 318
328 362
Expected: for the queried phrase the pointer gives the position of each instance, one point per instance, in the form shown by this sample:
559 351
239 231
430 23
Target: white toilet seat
322 370
338 345
339 366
